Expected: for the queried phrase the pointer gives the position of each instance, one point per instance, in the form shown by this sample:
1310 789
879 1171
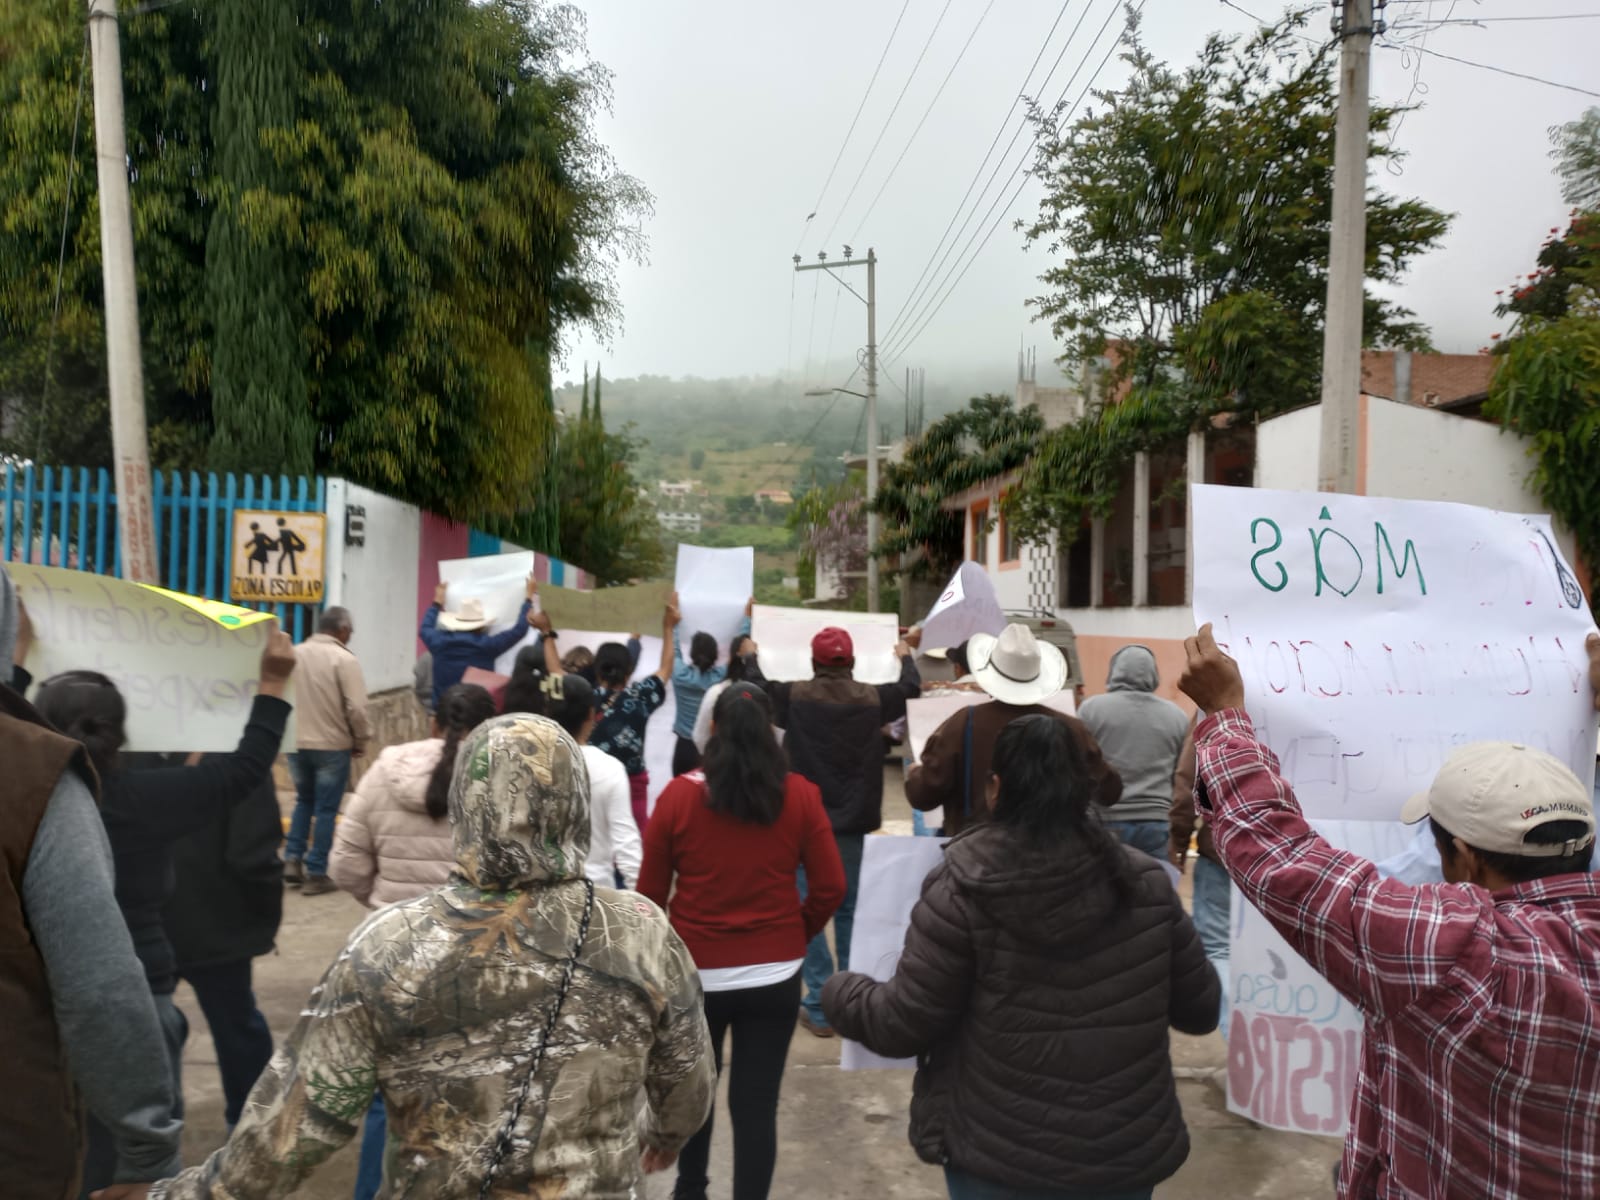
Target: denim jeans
1211 901
969 1187
319 780
374 1134
819 959
1150 836
238 1030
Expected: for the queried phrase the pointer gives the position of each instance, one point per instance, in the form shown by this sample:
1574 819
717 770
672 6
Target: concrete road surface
841 1134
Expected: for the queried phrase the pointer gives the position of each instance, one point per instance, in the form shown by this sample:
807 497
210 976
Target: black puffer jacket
1038 1001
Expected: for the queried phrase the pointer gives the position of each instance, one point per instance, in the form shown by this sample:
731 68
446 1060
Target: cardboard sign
784 635
638 608
276 557
968 605
1375 636
188 669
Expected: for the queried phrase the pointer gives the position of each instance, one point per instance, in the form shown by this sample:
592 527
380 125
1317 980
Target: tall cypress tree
584 414
598 419
259 406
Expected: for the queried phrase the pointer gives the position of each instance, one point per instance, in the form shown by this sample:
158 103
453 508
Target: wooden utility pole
124 372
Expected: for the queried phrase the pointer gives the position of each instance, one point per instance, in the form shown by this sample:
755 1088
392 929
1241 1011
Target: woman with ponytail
733 835
394 843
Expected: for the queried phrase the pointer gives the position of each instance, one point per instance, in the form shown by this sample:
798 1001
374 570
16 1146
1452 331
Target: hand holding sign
277 664
1211 679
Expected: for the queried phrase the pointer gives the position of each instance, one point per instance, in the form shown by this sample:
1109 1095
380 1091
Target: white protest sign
713 587
1294 1043
188 669
1374 637
968 605
499 580
784 635
892 871
934 707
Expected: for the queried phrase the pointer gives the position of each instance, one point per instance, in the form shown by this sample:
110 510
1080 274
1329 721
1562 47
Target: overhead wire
887 121
817 205
915 295
1483 66
926 112
904 341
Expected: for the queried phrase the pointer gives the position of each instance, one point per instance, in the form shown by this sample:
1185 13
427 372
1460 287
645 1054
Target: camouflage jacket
440 1003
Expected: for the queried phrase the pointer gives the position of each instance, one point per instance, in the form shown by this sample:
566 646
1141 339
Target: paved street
842 1134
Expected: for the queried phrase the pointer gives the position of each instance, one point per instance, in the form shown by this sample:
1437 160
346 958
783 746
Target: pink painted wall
440 539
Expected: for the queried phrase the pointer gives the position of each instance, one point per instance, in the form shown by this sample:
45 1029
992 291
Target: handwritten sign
277 556
784 635
188 669
968 605
1374 637
892 871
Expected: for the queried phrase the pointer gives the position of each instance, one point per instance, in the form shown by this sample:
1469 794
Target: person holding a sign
615 849
730 838
1480 1067
460 639
834 736
78 1028
146 812
625 708
1042 969
1021 673
690 681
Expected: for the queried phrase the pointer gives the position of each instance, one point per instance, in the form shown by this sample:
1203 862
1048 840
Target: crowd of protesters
553 975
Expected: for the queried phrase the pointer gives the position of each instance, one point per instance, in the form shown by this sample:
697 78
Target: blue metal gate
67 517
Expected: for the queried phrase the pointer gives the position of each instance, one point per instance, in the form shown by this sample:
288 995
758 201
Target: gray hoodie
1140 734
103 1006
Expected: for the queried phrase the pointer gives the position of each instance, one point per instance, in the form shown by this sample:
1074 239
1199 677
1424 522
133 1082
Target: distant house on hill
774 496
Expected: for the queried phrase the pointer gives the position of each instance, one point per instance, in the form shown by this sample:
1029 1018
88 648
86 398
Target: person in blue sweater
690 681
458 640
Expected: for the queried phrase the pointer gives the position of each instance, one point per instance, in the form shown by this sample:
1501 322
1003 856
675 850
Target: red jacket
737 903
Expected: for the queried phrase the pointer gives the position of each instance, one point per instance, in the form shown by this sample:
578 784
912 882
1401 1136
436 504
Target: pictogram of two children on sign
288 543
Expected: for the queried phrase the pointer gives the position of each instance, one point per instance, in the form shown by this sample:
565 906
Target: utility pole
871 397
124 373
1354 25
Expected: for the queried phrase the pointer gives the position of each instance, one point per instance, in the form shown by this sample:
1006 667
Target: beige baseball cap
1491 794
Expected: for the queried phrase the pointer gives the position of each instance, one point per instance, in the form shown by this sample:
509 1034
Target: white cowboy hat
1016 668
470 616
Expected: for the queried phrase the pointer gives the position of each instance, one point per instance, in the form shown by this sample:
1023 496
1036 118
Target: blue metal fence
67 517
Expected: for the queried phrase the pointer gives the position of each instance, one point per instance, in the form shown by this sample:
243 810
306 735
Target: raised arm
669 638
429 633
1380 943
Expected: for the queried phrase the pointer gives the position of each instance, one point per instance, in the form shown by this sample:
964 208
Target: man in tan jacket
330 700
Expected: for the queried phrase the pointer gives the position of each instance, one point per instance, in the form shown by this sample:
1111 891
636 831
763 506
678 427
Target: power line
866 162
817 205
916 293
1467 62
926 112
906 342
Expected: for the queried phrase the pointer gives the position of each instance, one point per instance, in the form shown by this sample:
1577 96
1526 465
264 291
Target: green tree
446 208
258 387
987 438
697 459
1187 215
607 527
1546 384
1576 149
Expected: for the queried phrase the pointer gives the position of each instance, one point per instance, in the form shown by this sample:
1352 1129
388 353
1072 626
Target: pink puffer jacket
387 847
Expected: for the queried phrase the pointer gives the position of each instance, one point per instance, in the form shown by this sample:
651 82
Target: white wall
1286 451
377 582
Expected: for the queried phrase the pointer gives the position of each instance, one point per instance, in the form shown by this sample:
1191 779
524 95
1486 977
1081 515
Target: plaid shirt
1480 1069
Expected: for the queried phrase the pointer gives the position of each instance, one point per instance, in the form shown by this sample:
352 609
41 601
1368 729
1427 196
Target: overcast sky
732 113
